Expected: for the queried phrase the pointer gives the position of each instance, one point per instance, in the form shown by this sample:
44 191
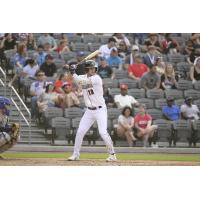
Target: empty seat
113 113
196 132
195 94
148 102
137 93
155 113
59 63
120 74
89 38
114 91
159 103
164 131
183 68
68 56
155 94
79 47
104 39
110 83
130 82
73 112
61 128
176 94
197 102
176 58
184 85
179 102
197 85
94 46
54 54
182 130
74 38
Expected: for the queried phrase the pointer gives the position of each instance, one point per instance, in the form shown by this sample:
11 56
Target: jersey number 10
90 92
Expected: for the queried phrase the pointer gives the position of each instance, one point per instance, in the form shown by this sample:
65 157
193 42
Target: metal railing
28 122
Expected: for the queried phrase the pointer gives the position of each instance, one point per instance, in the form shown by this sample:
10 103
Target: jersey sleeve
133 100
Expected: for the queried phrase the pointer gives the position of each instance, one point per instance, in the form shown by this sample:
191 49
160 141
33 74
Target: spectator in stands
171 112
125 126
195 39
40 55
130 58
160 65
189 110
8 42
150 58
195 71
195 54
49 67
143 125
106 48
123 51
69 98
47 48
150 80
120 37
36 89
137 69
63 78
170 45
153 41
114 60
62 47
19 62
109 100
189 48
48 98
31 43
104 70
124 99
169 79
46 38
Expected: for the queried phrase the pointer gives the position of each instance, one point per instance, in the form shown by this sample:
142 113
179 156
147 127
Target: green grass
121 156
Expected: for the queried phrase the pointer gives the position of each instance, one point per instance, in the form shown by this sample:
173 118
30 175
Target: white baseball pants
88 119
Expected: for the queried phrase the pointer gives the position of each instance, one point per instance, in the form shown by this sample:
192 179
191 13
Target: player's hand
72 69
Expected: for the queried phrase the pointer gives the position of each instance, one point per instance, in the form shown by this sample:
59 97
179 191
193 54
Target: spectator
108 98
130 58
189 110
114 60
189 48
19 62
137 69
123 51
125 126
48 98
8 42
62 47
195 71
169 79
47 48
49 67
40 55
69 98
195 39
31 43
120 37
63 78
171 112
46 38
104 70
160 65
195 54
36 89
124 99
143 125
106 48
150 80
153 41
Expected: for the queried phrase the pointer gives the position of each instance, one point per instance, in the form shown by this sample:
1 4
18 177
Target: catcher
9 135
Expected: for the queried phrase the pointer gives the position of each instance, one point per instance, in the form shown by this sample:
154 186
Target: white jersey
92 89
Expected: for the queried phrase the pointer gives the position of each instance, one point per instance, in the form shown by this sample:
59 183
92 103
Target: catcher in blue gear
9 135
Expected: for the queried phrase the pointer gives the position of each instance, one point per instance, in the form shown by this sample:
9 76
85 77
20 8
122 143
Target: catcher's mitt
15 127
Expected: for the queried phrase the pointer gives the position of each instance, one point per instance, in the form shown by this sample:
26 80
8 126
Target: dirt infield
64 162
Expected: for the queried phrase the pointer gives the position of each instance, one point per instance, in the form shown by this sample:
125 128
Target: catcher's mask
5 105
90 64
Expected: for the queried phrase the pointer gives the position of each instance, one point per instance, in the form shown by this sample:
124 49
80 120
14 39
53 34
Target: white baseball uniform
96 111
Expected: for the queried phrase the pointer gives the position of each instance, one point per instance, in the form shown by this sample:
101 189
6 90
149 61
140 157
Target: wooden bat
92 55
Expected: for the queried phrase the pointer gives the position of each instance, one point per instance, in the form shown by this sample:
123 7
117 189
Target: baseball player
9 135
96 109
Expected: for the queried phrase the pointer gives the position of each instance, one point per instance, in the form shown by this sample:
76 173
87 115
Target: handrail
4 75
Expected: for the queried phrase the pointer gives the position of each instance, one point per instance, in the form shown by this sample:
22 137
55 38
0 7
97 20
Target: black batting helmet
90 64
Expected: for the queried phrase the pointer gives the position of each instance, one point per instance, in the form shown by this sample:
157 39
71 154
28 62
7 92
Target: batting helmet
90 64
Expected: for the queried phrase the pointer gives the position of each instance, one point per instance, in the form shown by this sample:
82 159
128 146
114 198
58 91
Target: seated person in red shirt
143 125
137 69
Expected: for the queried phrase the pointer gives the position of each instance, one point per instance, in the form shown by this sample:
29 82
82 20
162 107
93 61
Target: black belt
94 108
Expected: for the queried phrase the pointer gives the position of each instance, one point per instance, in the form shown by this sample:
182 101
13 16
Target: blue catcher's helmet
4 102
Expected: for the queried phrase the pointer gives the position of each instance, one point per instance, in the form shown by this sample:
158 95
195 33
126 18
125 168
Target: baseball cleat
73 158
111 158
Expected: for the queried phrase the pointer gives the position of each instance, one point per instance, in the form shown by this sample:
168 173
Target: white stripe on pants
88 119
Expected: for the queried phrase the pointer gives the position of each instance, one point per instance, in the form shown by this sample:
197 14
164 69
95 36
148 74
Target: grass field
99 156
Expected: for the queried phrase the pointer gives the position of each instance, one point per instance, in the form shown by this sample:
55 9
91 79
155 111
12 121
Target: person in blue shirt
114 60
40 55
171 112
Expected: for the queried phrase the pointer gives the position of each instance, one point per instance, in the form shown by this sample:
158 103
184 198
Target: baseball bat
92 55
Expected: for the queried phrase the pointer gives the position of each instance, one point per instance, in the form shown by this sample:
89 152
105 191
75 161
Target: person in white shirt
105 49
123 99
92 88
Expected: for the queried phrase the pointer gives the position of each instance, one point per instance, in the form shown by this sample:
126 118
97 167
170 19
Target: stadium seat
184 85
68 56
183 69
54 54
196 132
155 113
159 103
148 102
113 113
110 83
73 112
176 94
120 74
59 63
130 82
164 131
31 53
137 93
182 131
179 102
94 46
74 38
197 85
155 94
89 38
26 87
114 91
195 94
104 39
176 58
79 47
61 129
74 125
197 102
